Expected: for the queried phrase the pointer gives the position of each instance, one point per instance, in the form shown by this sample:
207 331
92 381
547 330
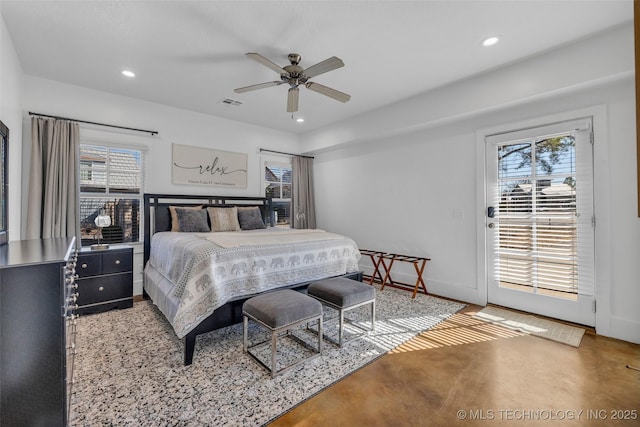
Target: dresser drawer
105 288
89 264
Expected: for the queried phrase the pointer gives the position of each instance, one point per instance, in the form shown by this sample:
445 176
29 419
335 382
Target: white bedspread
234 239
203 271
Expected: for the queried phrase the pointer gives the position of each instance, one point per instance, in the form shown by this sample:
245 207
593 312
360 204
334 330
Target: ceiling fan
294 75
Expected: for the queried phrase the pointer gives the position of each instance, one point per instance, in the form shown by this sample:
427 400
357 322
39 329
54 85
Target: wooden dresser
37 331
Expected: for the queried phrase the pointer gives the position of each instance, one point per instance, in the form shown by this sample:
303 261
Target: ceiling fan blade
256 87
331 93
323 67
267 63
292 100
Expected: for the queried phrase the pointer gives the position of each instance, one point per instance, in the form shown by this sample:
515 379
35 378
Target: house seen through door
540 220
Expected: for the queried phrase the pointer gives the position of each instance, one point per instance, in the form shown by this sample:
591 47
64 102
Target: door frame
602 288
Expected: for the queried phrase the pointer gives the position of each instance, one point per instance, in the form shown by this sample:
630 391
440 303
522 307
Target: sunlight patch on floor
459 329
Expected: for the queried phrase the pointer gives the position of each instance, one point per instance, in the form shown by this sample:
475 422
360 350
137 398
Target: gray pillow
174 219
192 221
250 218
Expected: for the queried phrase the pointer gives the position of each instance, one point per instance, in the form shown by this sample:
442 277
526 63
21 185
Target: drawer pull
84 265
117 262
101 288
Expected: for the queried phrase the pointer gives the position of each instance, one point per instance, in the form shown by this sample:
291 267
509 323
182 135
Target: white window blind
111 180
544 208
278 185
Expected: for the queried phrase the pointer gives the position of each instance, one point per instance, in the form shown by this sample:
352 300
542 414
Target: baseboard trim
459 293
625 329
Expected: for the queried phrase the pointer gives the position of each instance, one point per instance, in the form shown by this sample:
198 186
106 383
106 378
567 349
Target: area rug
129 369
533 325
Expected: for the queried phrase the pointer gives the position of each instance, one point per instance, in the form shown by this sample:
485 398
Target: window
277 179
111 180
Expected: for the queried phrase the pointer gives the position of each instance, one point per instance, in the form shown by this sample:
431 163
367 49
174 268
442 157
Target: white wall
412 195
415 188
624 251
11 116
174 126
598 59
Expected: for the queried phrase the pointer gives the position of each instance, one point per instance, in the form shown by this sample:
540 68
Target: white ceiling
190 54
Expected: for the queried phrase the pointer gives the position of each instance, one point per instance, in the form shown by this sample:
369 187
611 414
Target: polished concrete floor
469 373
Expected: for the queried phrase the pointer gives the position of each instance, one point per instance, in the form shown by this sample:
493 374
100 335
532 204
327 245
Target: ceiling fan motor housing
295 73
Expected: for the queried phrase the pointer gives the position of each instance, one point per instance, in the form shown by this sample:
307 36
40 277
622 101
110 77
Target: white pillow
224 219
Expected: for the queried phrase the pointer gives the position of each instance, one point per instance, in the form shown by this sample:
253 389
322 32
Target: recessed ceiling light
490 41
128 73
299 120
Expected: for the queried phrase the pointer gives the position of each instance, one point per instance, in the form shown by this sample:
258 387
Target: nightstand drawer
116 262
104 288
89 264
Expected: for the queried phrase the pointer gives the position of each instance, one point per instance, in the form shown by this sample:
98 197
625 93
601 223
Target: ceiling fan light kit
292 100
294 75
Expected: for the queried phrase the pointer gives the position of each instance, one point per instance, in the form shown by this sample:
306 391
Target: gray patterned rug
129 370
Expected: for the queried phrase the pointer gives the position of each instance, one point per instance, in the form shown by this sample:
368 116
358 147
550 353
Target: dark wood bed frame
157 218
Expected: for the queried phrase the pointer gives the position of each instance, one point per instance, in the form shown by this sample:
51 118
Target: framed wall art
204 166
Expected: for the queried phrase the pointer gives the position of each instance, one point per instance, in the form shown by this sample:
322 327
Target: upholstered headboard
158 218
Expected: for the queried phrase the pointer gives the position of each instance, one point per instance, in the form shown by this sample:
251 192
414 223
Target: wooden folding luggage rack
387 260
376 258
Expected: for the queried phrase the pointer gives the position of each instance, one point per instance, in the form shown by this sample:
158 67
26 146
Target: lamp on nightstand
102 220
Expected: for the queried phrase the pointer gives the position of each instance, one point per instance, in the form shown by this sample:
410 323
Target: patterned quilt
206 276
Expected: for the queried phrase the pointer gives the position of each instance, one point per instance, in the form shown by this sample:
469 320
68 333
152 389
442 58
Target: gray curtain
54 188
303 205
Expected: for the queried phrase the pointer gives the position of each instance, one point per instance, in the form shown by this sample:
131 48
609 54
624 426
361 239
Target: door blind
544 208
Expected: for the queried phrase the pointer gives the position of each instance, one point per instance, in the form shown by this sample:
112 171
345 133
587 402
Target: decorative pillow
224 219
174 219
250 218
192 221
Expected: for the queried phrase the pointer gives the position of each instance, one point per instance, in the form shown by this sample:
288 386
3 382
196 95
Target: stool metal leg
320 335
245 330
274 350
373 315
340 328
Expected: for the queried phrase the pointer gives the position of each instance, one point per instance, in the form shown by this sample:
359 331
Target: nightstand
105 279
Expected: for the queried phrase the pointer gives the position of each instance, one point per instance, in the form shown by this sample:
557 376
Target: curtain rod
286 154
152 132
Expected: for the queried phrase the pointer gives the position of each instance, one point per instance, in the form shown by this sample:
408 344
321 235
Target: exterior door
540 237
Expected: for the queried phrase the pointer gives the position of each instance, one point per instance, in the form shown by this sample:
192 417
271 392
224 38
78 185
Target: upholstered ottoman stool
343 295
280 311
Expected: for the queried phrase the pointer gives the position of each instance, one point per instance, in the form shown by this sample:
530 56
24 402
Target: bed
199 279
